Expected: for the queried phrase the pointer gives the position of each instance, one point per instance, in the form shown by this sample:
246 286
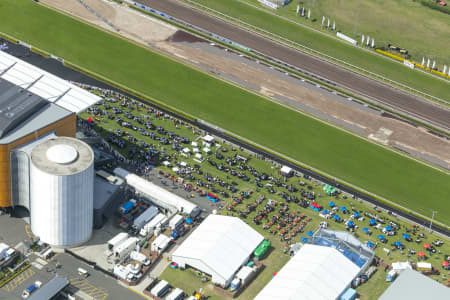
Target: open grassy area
333 47
345 156
189 281
404 23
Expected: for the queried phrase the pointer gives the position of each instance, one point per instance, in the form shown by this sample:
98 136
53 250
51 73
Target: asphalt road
362 85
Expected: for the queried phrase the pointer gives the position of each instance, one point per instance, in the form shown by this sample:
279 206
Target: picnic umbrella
421 254
426 246
310 233
356 214
372 222
381 237
304 239
331 204
388 228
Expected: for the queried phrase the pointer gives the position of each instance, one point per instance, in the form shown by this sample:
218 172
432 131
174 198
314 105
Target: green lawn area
355 160
347 52
404 23
189 281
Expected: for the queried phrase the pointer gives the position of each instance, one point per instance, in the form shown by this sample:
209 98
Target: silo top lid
62 154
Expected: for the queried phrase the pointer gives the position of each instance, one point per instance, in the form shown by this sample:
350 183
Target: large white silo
62 191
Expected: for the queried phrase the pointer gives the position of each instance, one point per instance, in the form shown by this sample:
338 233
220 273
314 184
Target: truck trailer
144 218
126 247
117 240
156 222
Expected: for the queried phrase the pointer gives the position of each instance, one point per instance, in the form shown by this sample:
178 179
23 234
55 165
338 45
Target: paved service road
348 79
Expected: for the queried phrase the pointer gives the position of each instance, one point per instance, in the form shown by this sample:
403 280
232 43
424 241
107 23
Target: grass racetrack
338 49
357 161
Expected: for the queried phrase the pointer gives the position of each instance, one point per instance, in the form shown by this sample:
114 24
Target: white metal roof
223 243
314 273
155 192
44 84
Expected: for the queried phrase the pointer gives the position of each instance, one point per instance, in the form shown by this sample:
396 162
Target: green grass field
364 164
404 23
333 47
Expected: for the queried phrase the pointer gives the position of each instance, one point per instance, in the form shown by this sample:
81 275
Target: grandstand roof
44 84
314 273
221 244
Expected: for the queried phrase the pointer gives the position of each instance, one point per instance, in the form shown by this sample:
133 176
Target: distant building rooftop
51 289
413 285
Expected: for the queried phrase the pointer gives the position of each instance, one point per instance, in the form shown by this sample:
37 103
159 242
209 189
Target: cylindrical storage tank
62 192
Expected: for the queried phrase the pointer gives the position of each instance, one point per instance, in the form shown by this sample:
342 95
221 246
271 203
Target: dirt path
373 125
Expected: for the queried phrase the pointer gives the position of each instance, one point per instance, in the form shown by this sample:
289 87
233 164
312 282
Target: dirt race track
261 78
348 79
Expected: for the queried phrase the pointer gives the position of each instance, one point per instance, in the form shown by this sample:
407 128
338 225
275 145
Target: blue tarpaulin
406 236
397 243
365 229
343 208
304 240
388 228
381 237
336 217
372 222
310 233
331 204
350 223
356 214
370 244
325 211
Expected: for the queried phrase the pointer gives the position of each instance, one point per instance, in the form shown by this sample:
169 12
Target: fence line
321 53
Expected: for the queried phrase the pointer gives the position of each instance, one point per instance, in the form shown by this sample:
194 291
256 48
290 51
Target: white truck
176 294
176 221
117 240
137 256
244 275
144 218
160 243
126 247
155 223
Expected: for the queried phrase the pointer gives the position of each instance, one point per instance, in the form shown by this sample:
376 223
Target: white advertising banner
408 64
268 3
346 38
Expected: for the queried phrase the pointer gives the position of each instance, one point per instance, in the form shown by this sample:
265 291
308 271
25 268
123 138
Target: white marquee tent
314 273
44 84
218 247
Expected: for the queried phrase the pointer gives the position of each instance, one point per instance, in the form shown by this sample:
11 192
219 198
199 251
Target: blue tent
336 217
370 244
331 204
397 243
304 240
310 233
388 228
372 222
350 223
325 211
381 237
343 208
365 229
406 236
